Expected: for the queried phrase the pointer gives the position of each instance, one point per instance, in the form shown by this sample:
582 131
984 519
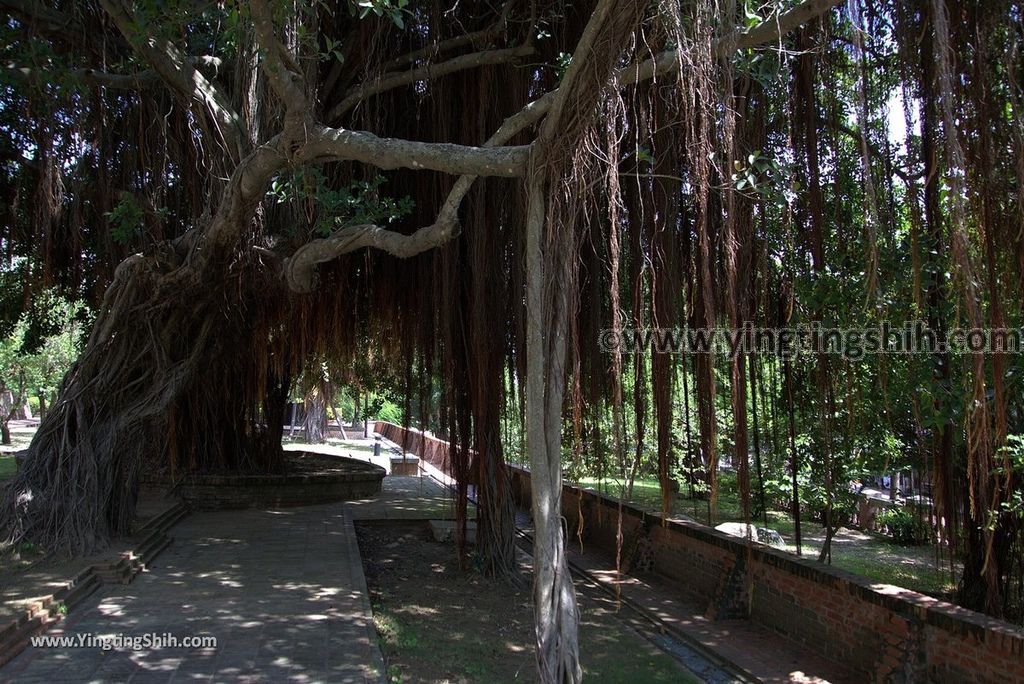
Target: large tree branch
147 78
390 81
667 62
300 268
248 185
425 53
182 76
338 144
436 48
38 15
283 75
773 29
245 189
471 38
582 57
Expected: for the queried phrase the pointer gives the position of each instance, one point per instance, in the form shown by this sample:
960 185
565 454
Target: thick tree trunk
6 413
159 388
315 422
555 609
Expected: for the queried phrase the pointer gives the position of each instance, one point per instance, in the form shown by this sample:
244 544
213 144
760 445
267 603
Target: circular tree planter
312 479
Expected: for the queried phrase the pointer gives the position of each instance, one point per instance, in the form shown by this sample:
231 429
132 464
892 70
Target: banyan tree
464 195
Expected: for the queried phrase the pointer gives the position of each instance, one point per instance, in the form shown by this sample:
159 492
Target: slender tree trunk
495 507
794 462
754 372
935 289
338 422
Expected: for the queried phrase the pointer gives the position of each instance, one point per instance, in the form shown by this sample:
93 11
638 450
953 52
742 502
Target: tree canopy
460 198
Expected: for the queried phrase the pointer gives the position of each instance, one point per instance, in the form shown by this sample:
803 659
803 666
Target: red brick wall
430 449
881 632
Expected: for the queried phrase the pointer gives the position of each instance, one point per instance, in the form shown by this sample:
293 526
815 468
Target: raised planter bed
311 479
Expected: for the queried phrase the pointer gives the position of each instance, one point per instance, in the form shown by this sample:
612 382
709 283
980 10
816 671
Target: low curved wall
882 632
359 480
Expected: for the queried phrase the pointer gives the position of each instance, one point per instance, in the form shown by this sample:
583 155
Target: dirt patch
437 623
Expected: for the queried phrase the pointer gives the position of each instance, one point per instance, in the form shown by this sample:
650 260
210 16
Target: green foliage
384 409
562 63
332 50
1013 455
359 202
763 177
126 219
392 9
42 344
7 467
905 526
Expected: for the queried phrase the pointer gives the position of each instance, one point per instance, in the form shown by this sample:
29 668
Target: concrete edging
359 585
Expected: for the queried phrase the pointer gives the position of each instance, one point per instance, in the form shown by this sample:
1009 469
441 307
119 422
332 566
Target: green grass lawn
7 467
867 554
364 448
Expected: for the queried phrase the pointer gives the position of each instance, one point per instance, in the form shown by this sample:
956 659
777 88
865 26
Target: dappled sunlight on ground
279 590
441 624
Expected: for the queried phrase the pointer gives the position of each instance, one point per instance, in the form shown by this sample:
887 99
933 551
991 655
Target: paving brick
276 588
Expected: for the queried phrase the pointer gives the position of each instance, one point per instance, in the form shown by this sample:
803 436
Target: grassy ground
6 467
20 439
361 445
870 555
437 623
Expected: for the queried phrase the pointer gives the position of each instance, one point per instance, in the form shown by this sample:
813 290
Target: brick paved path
282 591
